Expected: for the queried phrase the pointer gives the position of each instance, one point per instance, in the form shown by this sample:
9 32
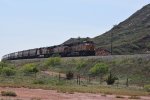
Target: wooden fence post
79 79
59 76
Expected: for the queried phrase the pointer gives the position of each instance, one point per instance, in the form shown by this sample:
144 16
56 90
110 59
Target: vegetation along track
131 73
109 57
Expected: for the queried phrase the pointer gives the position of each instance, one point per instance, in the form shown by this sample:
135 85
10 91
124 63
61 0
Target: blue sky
26 24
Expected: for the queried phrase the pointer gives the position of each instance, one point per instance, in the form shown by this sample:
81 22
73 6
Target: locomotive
85 48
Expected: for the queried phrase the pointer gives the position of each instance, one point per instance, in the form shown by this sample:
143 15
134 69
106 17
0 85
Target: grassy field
131 74
67 87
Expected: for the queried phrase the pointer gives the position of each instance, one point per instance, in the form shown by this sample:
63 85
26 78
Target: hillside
75 40
130 36
134 67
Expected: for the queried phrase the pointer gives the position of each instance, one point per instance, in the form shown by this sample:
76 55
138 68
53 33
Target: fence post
89 80
79 79
127 82
59 76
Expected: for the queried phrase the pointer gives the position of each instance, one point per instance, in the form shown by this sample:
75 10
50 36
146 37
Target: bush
111 79
53 61
147 88
3 64
60 83
134 97
99 68
80 64
69 75
30 68
6 71
43 67
8 93
40 81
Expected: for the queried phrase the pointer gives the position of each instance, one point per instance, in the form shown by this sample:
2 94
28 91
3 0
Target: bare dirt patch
52 73
39 94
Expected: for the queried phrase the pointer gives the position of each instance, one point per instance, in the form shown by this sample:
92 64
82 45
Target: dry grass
76 88
35 98
134 97
118 96
103 95
8 93
98 89
52 83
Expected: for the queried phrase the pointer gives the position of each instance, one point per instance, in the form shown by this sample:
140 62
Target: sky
27 24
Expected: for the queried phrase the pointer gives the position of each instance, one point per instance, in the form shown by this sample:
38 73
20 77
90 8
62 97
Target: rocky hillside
130 36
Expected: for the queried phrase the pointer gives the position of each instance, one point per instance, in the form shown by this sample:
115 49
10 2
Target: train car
50 51
25 54
47 51
8 56
12 56
62 50
33 53
83 49
43 52
16 55
20 55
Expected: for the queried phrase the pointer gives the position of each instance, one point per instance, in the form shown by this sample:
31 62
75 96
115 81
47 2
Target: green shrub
111 79
8 93
1 70
6 71
53 61
43 67
30 68
80 64
147 88
40 81
99 68
3 64
60 83
69 75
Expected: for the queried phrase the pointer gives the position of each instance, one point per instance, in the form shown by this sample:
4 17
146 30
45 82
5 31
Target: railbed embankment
108 58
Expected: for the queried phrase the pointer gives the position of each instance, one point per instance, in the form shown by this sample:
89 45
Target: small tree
99 69
69 75
111 79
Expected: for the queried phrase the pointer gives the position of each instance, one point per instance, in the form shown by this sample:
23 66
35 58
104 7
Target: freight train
85 48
